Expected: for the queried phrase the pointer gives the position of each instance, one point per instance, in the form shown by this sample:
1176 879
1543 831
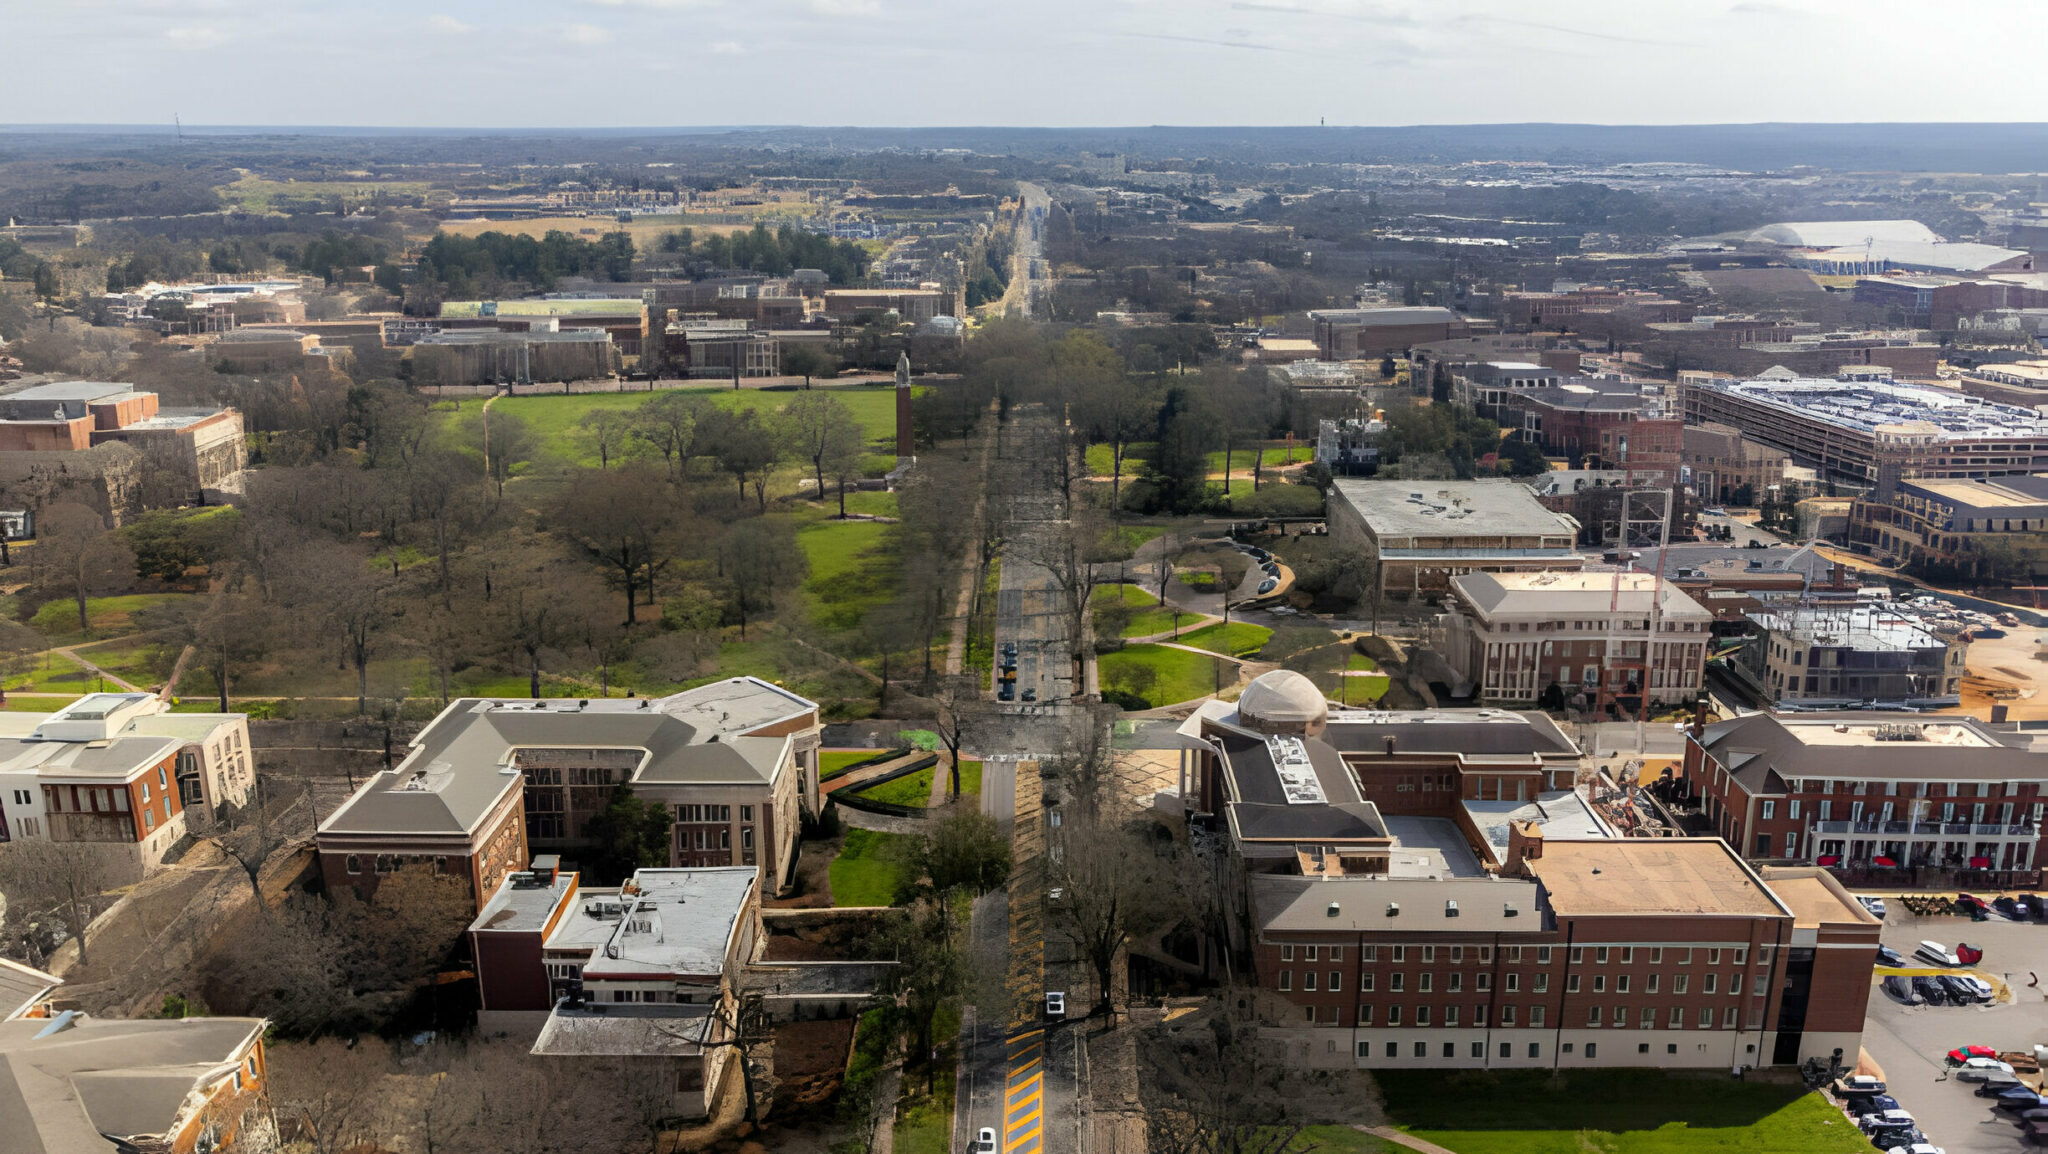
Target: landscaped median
1613 1111
1237 639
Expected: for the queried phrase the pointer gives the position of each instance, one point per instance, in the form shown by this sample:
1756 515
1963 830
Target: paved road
1029 286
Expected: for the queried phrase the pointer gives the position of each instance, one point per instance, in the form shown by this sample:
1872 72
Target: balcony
1927 829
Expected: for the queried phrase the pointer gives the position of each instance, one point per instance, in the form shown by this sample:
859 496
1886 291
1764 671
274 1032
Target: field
1237 639
553 420
1613 1112
1175 674
915 789
865 872
851 571
833 762
252 193
49 673
645 231
108 616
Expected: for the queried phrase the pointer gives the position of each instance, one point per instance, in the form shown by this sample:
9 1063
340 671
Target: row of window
1454 983
1595 1019
390 862
703 813
719 838
1506 1051
1512 955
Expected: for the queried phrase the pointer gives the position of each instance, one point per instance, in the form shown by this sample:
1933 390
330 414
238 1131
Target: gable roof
62 1094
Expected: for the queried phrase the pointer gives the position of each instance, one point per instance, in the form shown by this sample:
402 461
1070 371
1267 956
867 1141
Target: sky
603 63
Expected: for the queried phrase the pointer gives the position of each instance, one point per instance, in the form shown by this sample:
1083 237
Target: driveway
1909 1041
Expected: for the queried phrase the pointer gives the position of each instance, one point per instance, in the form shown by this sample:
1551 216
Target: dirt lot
2012 658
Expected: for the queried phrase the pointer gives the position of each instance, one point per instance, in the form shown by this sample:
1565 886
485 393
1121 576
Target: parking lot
1909 1041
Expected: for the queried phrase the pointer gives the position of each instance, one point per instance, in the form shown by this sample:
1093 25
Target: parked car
1967 902
1031 694
984 1141
2017 908
2037 1115
1874 905
1887 956
1900 989
1917 1148
1936 954
1007 691
1883 1120
1055 1004
1894 1137
1963 990
1857 1084
1930 991
1980 1070
1961 1054
2012 1099
1269 584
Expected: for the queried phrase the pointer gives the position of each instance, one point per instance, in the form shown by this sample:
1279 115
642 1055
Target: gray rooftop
1284 905
21 987
1425 315
464 761
1560 813
113 760
74 391
1451 509
522 909
1763 750
1474 733
1324 805
624 1030
679 924
1430 847
1863 628
65 1093
1867 406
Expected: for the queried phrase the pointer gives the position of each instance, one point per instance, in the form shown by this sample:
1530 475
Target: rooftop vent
1332 911
1508 910
1393 909
1451 909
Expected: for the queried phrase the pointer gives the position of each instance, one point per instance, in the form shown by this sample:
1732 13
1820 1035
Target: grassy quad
915 789
1237 639
106 616
866 871
1175 675
1613 1112
1148 616
833 762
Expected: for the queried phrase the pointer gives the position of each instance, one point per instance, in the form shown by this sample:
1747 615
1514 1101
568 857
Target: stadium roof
1837 233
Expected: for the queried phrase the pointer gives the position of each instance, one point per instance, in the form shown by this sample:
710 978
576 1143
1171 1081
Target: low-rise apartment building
1870 790
119 769
1423 533
1847 652
1726 466
186 1086
1960 525
200 450
1520 638
1350 334
642 972
487 781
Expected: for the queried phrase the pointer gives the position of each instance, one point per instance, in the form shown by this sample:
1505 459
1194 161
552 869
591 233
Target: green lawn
1237 639
833 762
1274 453
865 872
49 673
1612 1111
915 789
1360 663
1100 461
1361 690
1148 616
1177 675
1341 1140
108 616
851 572
871 502
554 420
924 1123
143 664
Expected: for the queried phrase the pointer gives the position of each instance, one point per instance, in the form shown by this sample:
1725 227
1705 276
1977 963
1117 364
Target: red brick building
1848 789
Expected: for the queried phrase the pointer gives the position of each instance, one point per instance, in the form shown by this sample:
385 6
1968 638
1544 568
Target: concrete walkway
1409 1140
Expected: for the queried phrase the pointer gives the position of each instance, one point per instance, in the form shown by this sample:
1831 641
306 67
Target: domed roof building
1283 702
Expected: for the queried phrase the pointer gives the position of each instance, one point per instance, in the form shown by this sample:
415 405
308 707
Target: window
1336 980
1507 1050
1653 983
1450 1017
1364 1019
1336 955
1713 957
1657 955
1678 1017
1571 983
1286 953
1591 1048
1393 1049
1421 1018
1308 1014
1514 983
1792 809
1308 980
1758 991
1400 953
1397 981
1649 1017
1770 810
1628 955
1428 982
1642 1047
149 819
1706 1019
1507 1015
353 864
746 813
1600 955
21 797
1370 953
1479 1049
1479 1014
1728 1018
1428 954
1485 982
1578 955
1543 955
1486 953
1621 984
1309 954
1364 1048
1393 1015
1742 956
1678 984
1457 982
1708 988
1535 1049
1514 955
145 796
1457 954
1365 983
1599 983
1685 959
1592 1016
1734 985
1286 979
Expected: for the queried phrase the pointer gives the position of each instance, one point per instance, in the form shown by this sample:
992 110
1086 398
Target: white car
1917 1148
1979 987
1977 1069
1937 953
1874 905
1055 1004
984 1142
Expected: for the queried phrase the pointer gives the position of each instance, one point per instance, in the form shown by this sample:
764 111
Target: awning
1883 862
1828 859
1980 863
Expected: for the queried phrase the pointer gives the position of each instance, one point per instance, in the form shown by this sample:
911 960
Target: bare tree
75 556
607 432
668 422
329 1094
42 875
1215 1085
820 429
255 831
1119 884
624 519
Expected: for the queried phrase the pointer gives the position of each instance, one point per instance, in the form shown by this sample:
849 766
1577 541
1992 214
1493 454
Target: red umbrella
1883 862
1980 863
1828 859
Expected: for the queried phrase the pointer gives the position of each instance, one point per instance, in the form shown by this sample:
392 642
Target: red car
1972 900
1961 1054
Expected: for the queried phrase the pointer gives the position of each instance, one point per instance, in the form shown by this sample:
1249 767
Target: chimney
1699 718
1998 712
1390 745
1525 844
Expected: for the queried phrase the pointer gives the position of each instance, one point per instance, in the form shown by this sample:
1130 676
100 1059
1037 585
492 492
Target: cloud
728 48
585 34
655 5
846 7
1209 41
442 22
193 36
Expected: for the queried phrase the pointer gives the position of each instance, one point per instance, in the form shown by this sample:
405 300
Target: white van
1937 954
